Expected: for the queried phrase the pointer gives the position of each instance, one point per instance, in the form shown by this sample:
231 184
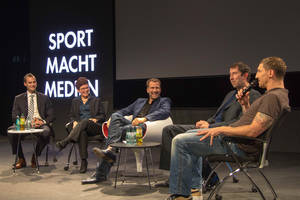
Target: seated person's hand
138 121
38 122
75 124
243 100
202 124
93 119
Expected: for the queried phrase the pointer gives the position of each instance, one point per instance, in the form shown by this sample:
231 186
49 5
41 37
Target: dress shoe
179 197
83 166
21 163
93 180
163 184
61 144
105 154
33 162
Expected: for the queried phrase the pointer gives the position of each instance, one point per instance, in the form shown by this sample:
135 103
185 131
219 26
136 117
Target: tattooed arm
260 123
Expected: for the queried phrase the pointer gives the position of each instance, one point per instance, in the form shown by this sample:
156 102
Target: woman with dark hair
87 116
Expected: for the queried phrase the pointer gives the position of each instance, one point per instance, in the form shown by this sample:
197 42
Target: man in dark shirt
188 148
143 109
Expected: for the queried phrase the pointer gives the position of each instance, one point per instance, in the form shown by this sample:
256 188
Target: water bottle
28 124
128 136
18 123
139 135
133 135
22 122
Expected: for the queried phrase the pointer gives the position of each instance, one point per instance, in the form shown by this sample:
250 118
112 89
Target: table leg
152 165
147 168
16 158
36 158
125 164
118 168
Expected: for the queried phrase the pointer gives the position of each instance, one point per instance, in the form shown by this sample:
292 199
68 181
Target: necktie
30 107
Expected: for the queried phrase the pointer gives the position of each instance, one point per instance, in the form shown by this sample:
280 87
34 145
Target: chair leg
268 183
219 186
253 183
67 166
139 155
47 152
75 153
234 178
204 184
54 151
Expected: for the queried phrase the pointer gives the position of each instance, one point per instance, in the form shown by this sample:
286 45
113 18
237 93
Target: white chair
153 134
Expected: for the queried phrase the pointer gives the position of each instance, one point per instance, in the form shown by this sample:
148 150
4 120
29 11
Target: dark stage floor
53 183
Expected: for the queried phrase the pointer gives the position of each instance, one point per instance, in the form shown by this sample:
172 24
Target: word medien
67 88
70 39
82 63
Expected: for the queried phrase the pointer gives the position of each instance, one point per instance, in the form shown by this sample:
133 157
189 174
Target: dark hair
153 80
243 68
276 64
80 82
28 75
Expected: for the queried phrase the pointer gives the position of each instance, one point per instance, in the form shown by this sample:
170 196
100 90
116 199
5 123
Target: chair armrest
68 123
242 139
154 129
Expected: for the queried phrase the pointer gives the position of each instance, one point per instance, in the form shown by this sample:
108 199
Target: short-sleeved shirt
271 104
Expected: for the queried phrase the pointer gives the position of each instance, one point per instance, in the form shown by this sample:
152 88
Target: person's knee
115 115
176 140
84 122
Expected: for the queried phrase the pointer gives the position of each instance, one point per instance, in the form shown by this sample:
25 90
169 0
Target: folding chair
248 162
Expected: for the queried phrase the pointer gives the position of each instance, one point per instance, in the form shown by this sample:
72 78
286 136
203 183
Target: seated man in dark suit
229 112
36 107
143 109
87 116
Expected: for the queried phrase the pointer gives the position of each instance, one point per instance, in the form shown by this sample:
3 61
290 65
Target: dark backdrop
186 92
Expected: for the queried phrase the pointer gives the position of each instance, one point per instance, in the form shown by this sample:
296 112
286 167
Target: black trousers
42 140
169 132
84 129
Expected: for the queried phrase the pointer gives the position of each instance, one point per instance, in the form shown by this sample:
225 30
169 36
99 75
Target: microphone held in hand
249 87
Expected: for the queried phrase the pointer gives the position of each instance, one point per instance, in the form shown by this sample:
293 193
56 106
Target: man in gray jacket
229 112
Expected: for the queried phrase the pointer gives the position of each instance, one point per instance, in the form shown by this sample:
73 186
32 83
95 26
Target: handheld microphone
249 87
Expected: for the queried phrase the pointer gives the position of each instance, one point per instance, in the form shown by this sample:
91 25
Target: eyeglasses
84 88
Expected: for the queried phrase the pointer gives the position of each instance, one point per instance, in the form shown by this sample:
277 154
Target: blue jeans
186 156
117 128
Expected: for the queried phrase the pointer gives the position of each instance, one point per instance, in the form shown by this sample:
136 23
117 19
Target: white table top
14 131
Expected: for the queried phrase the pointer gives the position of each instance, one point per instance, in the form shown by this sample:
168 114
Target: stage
54 183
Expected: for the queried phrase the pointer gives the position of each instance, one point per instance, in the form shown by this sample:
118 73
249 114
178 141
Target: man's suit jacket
96 109
232 111
160 109
44 107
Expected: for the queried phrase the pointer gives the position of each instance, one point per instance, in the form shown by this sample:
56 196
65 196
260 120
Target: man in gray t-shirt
188 148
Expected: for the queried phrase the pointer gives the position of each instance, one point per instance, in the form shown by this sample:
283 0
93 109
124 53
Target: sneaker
196 194
179 197
61 145
105 154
